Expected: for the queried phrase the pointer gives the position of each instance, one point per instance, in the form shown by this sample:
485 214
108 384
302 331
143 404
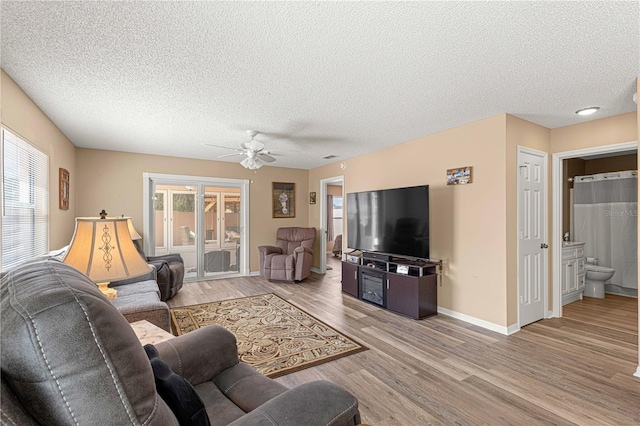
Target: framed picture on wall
64 189
284 200
312 198
459 176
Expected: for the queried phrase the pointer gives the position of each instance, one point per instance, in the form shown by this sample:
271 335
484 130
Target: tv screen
392 221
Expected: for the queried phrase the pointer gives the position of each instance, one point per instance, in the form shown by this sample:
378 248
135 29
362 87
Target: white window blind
25 200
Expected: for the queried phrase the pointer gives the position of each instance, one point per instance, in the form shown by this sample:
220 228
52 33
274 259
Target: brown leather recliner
290 259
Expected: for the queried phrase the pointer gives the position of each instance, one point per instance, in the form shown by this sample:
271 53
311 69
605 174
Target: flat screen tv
391 221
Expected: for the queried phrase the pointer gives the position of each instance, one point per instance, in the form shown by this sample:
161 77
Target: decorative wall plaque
64 189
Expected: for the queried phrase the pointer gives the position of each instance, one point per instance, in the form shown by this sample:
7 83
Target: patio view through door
202 221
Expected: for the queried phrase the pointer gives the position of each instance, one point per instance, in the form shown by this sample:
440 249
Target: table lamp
102 249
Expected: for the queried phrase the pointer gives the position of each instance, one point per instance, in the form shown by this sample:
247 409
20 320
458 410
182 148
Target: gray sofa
139 298
69 357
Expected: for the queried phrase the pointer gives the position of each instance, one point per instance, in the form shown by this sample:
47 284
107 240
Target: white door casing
532 236
323 217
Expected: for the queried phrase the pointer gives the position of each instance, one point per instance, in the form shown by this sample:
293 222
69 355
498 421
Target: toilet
595 277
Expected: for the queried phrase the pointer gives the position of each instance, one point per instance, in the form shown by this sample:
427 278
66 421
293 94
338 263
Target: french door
202 219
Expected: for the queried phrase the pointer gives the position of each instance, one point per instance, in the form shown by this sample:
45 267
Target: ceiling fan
254 151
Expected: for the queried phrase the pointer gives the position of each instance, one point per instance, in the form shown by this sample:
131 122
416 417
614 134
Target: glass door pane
183 229
232 228
211 218
215 260
183 218
160 217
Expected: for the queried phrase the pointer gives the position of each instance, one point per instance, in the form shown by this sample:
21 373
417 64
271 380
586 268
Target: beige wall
638 127
468 231
335 190
606 131
113 181
523 133
23 117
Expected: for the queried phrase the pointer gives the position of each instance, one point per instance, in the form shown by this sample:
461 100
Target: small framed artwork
64 189
460 176
284 200
312 198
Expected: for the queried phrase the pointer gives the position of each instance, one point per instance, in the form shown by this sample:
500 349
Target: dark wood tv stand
413 294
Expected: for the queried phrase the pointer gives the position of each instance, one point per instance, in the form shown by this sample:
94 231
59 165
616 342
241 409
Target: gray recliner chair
69 357
290 259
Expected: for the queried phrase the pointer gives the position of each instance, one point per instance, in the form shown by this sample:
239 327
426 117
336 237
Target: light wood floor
574 370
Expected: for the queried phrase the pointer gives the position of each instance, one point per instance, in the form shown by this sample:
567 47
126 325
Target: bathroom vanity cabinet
573 272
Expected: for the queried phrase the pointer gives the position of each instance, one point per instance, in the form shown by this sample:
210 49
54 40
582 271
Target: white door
532 227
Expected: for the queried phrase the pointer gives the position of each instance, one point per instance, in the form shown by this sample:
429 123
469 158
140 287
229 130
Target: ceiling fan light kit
251 164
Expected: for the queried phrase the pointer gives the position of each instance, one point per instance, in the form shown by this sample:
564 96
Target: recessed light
587 111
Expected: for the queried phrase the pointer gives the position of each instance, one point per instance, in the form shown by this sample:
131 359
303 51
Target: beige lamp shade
132 231
102 249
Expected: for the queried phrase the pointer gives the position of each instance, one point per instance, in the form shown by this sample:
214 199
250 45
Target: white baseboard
513 328
254 273
637 373
316 270
482 323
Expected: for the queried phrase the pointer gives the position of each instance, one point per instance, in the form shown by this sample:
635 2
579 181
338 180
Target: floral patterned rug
274 336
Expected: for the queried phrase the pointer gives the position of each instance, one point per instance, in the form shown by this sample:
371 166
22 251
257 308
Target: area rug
274 336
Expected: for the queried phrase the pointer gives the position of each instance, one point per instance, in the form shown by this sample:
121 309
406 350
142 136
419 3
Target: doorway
205 220
558 189
331 218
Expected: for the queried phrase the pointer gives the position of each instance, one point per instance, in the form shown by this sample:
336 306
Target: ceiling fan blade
220 146
266 157
231 155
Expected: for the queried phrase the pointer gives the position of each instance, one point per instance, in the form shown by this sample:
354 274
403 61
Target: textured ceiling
316 78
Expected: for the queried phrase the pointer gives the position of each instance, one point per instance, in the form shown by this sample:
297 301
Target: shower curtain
606 220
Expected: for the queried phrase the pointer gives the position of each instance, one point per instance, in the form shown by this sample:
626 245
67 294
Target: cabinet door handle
355 275
387 283
570 265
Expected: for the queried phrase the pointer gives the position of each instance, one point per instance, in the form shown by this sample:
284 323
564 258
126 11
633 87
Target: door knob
544 246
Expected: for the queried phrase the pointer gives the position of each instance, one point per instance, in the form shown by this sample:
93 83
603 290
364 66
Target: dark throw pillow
177 392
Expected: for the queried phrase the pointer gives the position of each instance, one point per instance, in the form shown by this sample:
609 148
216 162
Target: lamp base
111 293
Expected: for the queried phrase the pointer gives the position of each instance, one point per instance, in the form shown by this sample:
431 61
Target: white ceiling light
587 111
251 163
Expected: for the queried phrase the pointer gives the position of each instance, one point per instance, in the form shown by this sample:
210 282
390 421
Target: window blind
25 200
